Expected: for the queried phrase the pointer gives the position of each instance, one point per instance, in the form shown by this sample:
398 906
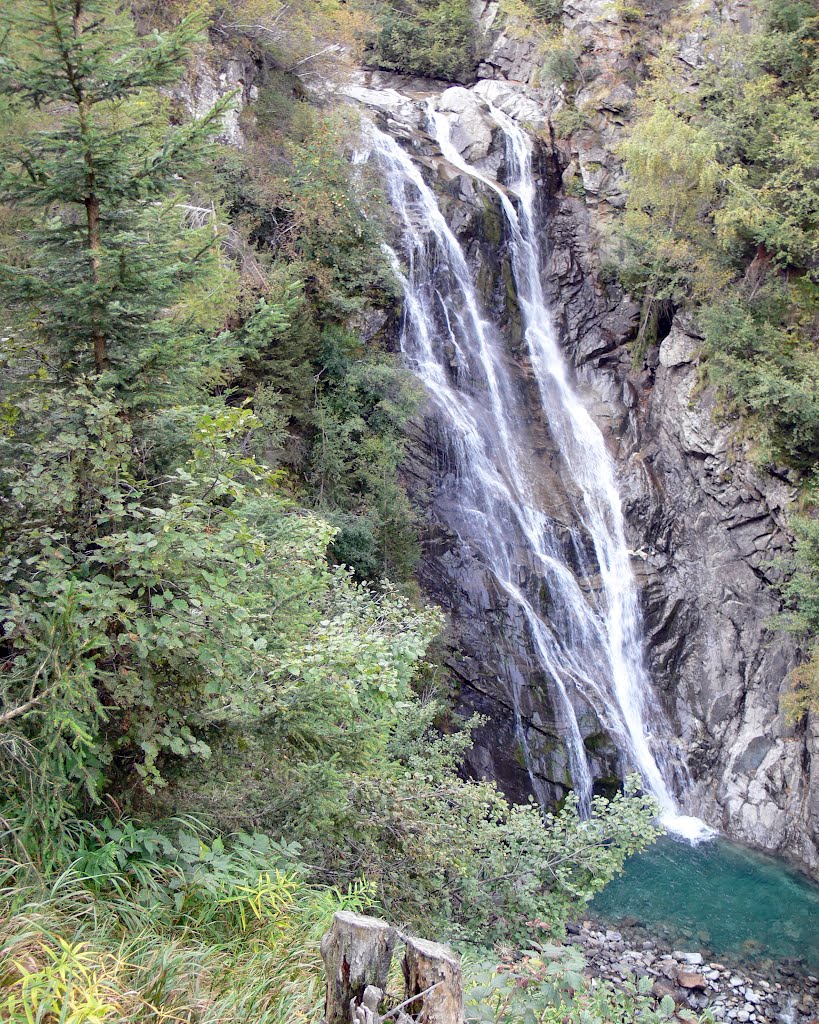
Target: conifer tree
96 179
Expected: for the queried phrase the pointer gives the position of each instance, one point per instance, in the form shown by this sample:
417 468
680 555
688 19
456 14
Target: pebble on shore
730 995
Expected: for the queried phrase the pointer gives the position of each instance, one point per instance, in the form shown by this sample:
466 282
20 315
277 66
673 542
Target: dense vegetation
435 38
722 219
213 732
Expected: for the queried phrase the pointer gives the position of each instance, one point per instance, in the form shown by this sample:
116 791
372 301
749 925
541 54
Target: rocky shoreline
729 992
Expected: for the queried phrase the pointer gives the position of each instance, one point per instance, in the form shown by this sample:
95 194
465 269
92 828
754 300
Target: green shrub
431 38
764 367
568 120
546 10
801 617
559 65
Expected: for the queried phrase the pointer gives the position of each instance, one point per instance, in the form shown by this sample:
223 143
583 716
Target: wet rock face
715 527
705 526
493 665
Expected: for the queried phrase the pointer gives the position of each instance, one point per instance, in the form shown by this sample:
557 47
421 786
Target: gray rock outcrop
705 525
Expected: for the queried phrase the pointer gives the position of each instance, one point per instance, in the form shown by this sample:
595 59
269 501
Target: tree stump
429 965
357 953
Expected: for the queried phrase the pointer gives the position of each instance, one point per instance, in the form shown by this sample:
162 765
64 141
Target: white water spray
589 645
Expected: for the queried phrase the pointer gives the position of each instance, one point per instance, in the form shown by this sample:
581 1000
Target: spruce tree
98 181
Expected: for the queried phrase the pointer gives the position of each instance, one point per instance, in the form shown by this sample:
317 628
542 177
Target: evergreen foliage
432 38
801 593
723 194
113 182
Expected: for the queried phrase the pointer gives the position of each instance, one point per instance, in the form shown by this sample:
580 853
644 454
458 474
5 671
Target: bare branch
21 709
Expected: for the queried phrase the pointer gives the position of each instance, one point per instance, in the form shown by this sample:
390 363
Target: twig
9 716
411 999
332 48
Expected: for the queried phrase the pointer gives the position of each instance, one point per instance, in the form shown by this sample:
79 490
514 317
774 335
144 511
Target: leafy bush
545 986
546 10
722 197
759 363
568 120
331 234
431 38
801 593
559 64
360 416
159 587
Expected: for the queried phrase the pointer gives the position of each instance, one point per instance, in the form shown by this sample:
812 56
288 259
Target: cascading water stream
489 493
587 644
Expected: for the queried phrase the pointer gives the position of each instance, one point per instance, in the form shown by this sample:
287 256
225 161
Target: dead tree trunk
357 953
435 970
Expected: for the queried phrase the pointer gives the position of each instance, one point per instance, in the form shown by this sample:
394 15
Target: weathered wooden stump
435 970
357 953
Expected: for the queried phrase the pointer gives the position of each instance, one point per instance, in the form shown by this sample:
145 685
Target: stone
690 979
471 129
388 101
208 85
518 103
661 988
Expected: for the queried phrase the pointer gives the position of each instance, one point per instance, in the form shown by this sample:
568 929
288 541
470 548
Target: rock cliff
706 526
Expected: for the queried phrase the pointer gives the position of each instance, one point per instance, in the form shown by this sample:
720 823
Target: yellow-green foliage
113 947
722 217
801 593
723 196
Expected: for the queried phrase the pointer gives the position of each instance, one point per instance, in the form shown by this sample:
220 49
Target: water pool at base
719 898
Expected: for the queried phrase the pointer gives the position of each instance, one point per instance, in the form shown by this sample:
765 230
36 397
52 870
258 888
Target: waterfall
590 641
